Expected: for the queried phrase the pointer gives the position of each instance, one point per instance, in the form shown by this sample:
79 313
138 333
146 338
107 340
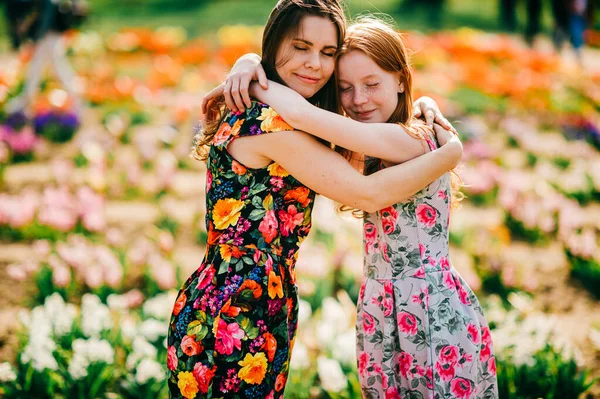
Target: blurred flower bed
111 213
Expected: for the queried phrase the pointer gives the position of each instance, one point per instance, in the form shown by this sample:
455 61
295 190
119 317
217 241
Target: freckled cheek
346 99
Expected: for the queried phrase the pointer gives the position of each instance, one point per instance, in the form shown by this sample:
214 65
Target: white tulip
300 359
149 369
7 374
331 375
153 329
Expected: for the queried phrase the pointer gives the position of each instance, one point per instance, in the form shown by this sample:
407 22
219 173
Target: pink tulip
23 141
112 269
93 276
162 272
114 237
166 241
133 298
76 252
41 248
16 272
166 166
94 221
62 170
61 276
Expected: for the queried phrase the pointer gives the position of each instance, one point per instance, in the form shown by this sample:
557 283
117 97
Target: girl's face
306 62
368 93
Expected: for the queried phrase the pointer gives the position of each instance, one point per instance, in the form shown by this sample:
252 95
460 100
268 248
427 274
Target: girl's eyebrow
311 44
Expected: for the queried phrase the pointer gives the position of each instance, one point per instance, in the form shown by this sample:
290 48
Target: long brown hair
384 45
284 21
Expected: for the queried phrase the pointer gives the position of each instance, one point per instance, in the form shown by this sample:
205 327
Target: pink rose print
369 324
445 370
370 237
405 361
426 215
229 336
407 323
461 388
473 333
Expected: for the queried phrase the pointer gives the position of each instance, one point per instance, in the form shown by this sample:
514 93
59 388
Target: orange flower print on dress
238 168
254 368
277 170
300 195
227 212
253 287
272 121
270 345
190 347
180 303
222 134
275 287
188 386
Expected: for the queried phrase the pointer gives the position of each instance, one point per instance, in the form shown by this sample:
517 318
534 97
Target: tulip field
102 215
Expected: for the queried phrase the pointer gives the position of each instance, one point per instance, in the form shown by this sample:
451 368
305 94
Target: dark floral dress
234 322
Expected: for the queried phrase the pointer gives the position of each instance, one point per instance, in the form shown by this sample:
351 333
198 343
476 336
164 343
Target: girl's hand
211 96
235 90
427 107
442 135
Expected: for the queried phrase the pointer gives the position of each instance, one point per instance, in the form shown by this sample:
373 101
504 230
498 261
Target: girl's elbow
370 203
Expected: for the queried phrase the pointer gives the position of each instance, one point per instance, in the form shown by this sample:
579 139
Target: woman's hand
427 107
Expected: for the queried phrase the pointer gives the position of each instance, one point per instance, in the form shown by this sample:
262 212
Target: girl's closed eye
373 84
343 89
300 48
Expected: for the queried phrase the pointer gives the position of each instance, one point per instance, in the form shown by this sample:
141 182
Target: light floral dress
421 332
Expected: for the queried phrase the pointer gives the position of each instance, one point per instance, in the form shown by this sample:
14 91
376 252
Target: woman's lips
307 79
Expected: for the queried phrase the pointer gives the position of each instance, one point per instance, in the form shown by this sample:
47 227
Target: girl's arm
387 141
329 174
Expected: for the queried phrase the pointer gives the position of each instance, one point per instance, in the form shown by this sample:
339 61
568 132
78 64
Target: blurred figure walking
571 19
44 22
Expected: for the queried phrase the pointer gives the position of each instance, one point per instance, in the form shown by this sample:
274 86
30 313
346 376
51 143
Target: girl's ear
400 87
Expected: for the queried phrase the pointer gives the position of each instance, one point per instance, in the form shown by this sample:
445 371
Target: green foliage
550 376
587 271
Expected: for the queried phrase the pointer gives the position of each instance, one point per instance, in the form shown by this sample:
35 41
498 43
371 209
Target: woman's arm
329 174
387 141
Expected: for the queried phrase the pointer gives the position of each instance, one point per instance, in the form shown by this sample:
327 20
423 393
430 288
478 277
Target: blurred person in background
44 22
571 19
508 17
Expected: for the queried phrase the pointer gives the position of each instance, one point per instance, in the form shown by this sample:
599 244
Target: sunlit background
102 212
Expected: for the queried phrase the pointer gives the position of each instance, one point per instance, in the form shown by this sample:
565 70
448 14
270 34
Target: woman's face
368 93
308 57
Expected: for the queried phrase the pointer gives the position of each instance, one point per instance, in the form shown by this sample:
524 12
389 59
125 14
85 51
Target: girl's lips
307 79
364 115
